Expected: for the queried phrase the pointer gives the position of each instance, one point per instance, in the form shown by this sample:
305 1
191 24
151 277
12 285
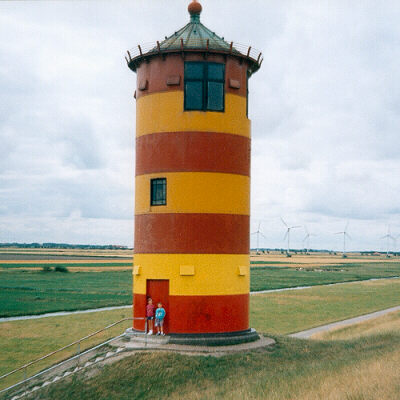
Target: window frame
204 80
153 183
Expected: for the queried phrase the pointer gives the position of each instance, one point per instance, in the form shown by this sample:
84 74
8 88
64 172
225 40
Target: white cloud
324 109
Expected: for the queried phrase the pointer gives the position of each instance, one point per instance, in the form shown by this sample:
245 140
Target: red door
158 290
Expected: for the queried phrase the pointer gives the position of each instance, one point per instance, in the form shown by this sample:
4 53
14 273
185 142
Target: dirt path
310 332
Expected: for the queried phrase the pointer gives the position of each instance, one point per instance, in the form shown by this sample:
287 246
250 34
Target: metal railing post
78 352
145 332
25 379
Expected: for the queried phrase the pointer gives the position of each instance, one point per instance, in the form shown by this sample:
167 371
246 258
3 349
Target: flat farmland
31 253
320 259
277 276
99 280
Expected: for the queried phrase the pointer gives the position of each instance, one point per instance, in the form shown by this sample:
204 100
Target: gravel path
309 332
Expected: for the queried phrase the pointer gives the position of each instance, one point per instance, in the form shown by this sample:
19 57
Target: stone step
140 337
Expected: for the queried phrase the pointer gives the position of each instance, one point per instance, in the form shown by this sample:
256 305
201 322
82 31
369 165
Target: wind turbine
387 237
344 233
258 233
395 243
307 238
287 235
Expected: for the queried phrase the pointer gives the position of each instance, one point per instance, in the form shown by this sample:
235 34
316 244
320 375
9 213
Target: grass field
293 311
25 289
23 293
275 277
273 313
360 369
69 264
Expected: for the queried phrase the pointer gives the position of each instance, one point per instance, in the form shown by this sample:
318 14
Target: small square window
158 192
204 86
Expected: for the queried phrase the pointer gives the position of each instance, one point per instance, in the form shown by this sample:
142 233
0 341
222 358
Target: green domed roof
194 37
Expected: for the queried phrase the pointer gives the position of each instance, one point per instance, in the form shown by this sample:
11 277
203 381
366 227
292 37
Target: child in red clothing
150 314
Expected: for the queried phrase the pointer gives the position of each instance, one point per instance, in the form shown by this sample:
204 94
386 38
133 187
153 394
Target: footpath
307 334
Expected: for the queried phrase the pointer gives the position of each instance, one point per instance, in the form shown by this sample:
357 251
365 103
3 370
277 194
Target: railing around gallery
77 356
195 44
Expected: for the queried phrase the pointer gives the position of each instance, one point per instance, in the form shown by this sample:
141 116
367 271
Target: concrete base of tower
215 339
197 339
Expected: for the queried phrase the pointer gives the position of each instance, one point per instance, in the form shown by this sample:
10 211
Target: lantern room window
204 86
158 192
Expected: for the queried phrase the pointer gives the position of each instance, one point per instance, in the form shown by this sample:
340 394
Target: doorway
158 290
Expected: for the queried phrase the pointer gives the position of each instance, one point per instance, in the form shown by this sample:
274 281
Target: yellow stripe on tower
213 274
163 112
197 192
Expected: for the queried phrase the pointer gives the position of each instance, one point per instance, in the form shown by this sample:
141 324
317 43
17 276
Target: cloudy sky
324 108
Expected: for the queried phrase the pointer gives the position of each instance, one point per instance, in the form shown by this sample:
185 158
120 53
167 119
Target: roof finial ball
194 9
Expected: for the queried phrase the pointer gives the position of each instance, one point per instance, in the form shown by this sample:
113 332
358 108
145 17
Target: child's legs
150 324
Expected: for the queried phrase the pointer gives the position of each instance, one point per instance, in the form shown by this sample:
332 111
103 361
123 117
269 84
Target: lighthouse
192 181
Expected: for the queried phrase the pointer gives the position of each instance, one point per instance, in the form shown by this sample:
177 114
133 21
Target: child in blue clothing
160 315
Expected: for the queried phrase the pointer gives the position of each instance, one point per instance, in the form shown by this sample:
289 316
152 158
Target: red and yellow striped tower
192 205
